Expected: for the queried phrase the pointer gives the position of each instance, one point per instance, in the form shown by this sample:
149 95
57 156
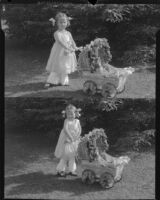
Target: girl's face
62 23
70 114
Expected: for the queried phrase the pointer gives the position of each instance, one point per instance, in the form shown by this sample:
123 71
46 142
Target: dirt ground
25 76
30 173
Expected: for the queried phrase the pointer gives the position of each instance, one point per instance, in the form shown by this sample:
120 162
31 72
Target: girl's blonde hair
58 16
73 108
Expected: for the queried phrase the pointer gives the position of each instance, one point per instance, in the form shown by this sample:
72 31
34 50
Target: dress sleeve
59 39
79 128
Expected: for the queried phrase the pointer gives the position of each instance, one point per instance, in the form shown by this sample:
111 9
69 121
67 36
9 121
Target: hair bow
77 112
52 20
63 113
70 18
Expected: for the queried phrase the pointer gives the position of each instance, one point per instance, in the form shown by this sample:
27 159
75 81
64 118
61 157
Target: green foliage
98 19
137 141
105 105
124 25
109 104
139 55
144 140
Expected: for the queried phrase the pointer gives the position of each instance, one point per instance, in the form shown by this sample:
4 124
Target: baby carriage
100 76
96 164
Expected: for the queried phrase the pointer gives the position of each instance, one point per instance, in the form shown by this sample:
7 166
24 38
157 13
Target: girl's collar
62 31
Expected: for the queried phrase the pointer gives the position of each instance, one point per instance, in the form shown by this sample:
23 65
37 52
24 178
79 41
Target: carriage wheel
90 87
109 90
88 176
107 180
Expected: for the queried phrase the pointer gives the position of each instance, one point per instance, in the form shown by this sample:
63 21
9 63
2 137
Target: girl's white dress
64 148
60 62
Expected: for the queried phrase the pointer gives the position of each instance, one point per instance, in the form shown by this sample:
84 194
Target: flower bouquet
91 144
97 50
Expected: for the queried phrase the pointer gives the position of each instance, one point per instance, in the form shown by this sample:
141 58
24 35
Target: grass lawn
25 76
29 158
30 173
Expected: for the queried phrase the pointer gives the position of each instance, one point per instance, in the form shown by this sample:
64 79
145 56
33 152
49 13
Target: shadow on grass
35 86
66 94
38 89
25 87
37 183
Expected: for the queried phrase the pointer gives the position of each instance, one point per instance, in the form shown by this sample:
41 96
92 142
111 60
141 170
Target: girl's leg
120 163
53 78
61 167
64 79
72 166
119 170
122 81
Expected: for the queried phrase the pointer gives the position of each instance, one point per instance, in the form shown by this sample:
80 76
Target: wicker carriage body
98 74
94 170
98 168
95 165
89 63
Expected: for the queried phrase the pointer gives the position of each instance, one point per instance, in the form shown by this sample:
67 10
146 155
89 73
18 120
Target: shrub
109 104
139 55
144 140
95 140
137 141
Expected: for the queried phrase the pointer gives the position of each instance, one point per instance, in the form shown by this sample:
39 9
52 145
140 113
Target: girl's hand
79 48
72 50
68 51
69 140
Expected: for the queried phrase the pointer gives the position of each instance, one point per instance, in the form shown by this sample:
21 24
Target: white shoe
47 85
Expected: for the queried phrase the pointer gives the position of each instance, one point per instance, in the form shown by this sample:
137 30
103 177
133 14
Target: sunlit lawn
25 75
30 173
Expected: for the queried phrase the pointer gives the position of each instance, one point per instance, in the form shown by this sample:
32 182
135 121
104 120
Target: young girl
67 145
62 60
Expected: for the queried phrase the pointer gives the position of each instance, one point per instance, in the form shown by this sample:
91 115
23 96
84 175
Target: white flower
70 18
89 134
51 20
88 47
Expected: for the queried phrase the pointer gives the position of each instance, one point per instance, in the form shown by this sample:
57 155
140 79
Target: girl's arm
73 42
63 44
80 129
67 132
